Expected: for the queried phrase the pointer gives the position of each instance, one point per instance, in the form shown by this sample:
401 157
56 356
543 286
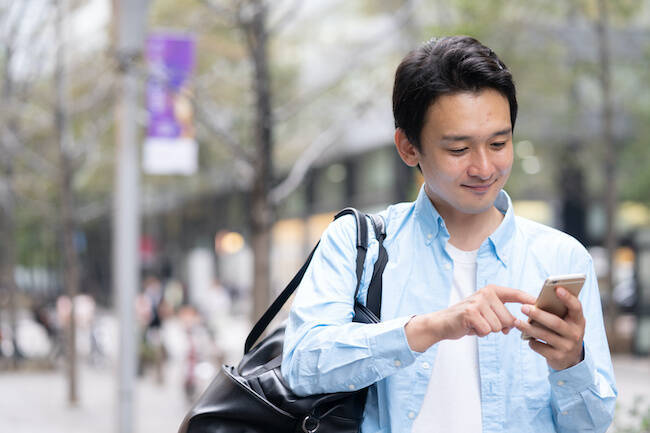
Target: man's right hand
479 314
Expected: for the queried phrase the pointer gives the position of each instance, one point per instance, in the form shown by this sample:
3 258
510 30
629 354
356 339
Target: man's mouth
479 187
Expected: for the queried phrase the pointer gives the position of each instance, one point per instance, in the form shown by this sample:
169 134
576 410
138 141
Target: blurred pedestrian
151 310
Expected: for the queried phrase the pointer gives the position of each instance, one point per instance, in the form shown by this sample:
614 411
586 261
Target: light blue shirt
324 351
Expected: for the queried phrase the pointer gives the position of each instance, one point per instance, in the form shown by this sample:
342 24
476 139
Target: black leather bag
254 398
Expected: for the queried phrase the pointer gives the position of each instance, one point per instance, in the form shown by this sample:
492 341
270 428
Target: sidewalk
36 401
633 381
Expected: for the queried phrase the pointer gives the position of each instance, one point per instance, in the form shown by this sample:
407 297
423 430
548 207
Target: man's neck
468 231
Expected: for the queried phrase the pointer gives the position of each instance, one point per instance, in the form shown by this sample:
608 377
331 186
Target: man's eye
458 151
499 144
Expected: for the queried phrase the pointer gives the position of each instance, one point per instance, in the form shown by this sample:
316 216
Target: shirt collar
433 225
430 220
501 238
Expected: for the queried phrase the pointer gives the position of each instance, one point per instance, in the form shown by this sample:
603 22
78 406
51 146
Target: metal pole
125 252
130 20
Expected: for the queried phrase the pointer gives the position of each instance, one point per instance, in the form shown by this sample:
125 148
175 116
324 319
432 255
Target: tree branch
355 60
13 28
105 91
87 143
90 211
284 19
212 123
15 147
229 15
317 147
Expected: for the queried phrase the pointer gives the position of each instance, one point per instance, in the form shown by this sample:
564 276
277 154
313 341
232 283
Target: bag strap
362 241
272 311
373 299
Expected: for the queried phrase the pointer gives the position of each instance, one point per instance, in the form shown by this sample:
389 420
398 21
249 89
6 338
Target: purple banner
171 61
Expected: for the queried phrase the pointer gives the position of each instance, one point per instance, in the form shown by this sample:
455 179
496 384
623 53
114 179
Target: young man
462 276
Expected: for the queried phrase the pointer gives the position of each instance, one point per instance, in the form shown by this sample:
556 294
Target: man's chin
476 207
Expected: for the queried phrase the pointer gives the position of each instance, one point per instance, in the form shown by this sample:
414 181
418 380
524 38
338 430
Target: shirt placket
492 384
416 387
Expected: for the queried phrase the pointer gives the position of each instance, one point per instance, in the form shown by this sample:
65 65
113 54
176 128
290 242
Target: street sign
170 147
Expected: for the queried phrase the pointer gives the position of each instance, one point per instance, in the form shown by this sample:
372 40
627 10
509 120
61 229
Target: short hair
446 66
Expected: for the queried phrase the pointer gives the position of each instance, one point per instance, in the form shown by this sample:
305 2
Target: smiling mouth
481 188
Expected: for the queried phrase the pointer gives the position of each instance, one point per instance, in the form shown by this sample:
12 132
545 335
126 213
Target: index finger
508 294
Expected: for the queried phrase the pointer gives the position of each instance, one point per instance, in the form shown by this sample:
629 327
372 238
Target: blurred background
166 166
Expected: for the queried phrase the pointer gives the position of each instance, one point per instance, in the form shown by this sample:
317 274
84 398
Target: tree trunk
571 180
261 209
8 231
610 198
71 264
7 209
71 274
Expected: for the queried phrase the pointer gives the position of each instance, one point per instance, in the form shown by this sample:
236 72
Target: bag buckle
310 424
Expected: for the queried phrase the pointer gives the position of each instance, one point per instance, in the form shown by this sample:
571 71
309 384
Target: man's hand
561 343
480 314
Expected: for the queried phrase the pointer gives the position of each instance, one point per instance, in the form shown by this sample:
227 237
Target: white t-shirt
453 399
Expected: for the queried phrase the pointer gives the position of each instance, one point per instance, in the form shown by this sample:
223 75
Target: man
463 273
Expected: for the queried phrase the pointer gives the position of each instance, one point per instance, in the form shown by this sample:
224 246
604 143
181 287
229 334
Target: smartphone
548 300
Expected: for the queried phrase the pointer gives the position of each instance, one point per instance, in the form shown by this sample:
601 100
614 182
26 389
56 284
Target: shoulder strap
361 244
373 299
362 241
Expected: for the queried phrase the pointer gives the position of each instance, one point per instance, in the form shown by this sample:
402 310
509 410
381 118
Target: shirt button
447 266
564 412
351 387
397 363
560 382
411 415
429 236
425 365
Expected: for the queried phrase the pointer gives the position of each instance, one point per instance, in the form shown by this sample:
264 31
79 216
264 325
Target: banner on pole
170 147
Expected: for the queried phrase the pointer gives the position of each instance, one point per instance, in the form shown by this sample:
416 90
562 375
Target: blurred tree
325 70
45 144
535 38
16 131
278 104
609 162
7 192
66 173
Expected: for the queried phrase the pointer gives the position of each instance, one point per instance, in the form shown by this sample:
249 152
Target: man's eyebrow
504 131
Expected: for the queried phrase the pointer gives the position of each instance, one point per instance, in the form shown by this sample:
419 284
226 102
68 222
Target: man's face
466 150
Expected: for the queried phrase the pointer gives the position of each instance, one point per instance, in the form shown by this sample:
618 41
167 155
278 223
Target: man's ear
407 151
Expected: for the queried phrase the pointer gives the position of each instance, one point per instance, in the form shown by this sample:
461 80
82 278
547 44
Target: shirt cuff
389 346
573 380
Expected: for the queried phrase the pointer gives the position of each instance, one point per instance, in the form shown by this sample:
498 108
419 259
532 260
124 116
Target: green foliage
530 36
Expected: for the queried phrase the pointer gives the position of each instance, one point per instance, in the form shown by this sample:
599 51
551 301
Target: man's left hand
561 343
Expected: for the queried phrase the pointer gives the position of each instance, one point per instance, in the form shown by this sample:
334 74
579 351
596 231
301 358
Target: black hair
446 66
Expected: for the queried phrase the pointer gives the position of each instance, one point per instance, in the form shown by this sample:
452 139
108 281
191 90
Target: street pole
130 18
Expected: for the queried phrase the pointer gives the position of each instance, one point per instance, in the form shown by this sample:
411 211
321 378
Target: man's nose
480 165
